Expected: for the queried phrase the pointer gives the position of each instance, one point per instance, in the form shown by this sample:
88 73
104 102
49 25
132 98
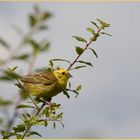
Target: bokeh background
109 103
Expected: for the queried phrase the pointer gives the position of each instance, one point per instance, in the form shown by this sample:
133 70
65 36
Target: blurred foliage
33 111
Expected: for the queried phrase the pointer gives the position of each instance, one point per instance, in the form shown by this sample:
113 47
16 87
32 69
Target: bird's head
61 73
62 76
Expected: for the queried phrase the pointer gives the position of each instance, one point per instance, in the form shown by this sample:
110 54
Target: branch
86 47
30 125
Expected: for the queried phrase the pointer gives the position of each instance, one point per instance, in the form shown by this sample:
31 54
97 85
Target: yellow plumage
46 84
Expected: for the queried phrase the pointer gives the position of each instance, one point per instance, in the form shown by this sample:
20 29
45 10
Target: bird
46 84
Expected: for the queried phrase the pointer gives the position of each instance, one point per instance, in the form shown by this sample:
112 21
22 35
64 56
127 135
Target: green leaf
105 33
4 134
51 63
43 27
94 52
79 38
79 50
59 59
45 123
91 30
46 15
62 124
100 21
18 136
24 106
5 78
69 84
11 74
33 133
74 91
44 45
95 24
66 93
22 57
14 68
19 128
54 125
35 46
78 67
32 20
5 102
87 63
78 88
4 44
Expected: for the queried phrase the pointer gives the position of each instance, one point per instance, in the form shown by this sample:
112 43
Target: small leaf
5 134
11 74
5 78
78 67
58 59
19 128
32 20
69 85
4 43
14 68
78 88
94 52
22 57
43 27
24 106
79 50
105 33
91 30
101 22
46 15
95 24
35 45
45 123
18 136
62 124
79 38
87 63
54 125
5 102
51 63
33 133
66 93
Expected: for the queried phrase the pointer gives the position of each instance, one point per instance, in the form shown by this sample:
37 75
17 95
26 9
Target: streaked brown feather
45 78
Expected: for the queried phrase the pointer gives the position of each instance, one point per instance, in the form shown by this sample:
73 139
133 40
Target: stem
87 45
30 125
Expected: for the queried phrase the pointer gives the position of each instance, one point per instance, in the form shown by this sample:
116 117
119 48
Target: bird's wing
45 78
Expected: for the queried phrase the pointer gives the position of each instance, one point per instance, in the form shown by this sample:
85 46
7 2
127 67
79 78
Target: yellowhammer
46 84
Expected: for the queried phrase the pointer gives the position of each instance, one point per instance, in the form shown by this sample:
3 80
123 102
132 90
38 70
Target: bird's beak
69 75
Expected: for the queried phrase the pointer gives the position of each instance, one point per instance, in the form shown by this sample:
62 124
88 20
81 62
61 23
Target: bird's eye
63 73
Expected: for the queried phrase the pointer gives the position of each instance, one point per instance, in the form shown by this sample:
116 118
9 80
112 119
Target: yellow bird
46 84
